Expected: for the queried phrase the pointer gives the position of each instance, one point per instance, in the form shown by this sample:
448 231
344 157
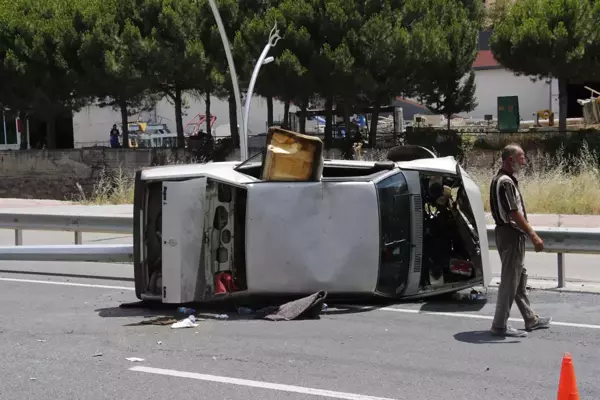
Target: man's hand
538 243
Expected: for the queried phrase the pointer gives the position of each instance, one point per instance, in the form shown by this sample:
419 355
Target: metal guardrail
59 222
109 253
556 240
560 241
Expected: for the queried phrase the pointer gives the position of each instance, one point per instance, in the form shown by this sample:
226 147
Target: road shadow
336 305
483 337
467 301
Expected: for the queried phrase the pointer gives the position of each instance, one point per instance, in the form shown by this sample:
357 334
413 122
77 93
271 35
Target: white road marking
472 316
393 309
67 284
256 384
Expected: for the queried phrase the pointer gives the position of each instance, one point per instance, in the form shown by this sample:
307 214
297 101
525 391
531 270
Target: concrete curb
551 285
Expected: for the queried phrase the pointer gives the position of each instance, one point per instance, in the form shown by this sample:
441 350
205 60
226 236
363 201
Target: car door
470 194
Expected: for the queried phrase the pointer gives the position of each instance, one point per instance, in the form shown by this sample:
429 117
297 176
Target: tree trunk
208 115
269 111
233 122
562 105
302 118
124 118
179 118
51 133
349 139
24 128
374 119
286 114
329 122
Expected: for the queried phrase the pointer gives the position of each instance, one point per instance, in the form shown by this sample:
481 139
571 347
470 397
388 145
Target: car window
394 222
394 208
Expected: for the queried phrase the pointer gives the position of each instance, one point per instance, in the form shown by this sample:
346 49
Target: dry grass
112 187
554 185
550 185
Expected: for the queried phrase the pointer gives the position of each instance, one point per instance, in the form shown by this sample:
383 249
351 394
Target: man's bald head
511 150
513 158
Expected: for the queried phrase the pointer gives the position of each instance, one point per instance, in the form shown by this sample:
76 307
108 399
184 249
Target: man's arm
538 243
522 222
509 201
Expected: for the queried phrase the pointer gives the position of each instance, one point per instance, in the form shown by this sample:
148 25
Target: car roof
225 170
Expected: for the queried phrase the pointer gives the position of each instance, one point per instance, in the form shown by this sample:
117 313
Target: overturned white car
390 229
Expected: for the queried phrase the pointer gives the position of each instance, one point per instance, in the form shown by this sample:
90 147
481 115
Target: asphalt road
63 341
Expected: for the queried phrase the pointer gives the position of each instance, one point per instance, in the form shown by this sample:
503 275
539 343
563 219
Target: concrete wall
533 96
54 174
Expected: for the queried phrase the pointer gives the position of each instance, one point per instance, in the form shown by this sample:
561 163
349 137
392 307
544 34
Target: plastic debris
189 322
245 311
186 310
135 359
98 355
41 340
475 295
324 308
222 316
159 342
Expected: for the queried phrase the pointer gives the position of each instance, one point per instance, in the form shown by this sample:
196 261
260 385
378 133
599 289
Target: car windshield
394 223
255 160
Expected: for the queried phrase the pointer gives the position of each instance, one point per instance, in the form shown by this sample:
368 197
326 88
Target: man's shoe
540 323
508 332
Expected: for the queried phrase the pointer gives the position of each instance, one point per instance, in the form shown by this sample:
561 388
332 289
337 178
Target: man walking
512 228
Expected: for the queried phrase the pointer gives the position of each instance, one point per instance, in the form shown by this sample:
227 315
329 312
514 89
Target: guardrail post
18 237
78 237
561 269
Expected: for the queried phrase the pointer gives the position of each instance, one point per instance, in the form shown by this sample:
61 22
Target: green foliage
449 47
545 38
176 60
126 54
549 39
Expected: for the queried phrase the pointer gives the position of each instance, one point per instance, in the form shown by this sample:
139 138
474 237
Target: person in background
512 229
114 137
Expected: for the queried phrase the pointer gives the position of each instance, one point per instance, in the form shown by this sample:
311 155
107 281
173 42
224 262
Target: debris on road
98 355
245 311
159 342
222 316
305 308
42 340
189 322
159 321
477 295
186 310
135 359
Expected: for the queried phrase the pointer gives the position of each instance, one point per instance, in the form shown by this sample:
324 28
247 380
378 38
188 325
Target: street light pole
273 39
234 81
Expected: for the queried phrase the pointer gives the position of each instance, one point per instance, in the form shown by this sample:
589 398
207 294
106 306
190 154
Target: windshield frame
396 243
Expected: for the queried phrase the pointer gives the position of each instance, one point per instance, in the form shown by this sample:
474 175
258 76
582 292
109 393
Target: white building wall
92 124
533 96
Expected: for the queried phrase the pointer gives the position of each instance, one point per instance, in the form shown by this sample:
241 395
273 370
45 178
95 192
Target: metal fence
560 241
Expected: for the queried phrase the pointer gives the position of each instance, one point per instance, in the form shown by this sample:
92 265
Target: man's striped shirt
505 197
